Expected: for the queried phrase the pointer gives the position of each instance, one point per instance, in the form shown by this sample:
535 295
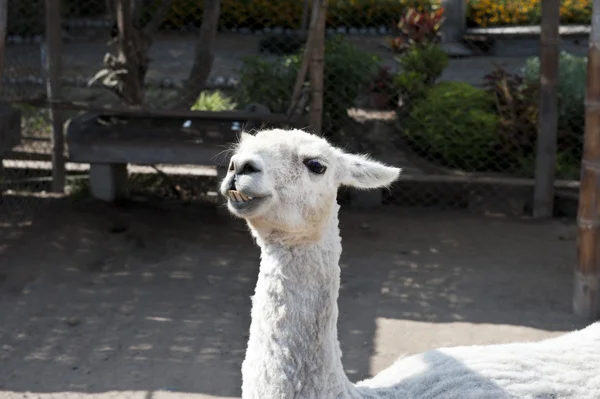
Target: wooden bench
110 142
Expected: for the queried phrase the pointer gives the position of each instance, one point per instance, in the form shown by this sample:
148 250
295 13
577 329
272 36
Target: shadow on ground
98 299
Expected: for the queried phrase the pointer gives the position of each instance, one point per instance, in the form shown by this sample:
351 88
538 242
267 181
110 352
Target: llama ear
361 172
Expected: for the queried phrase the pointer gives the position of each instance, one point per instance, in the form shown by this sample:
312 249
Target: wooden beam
317 64
545 168
53 68
586 293
156 112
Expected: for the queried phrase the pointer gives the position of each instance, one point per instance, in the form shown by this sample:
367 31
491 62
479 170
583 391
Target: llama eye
315 166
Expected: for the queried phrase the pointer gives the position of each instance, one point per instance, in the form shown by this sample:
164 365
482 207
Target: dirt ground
153 302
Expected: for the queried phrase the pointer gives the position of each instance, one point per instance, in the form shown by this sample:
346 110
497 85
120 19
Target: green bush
428 60
267 82
348 69
572 72
454 124
213 101
572 78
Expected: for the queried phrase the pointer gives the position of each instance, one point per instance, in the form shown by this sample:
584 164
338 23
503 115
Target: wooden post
306 58
130 54
304 21
317 65
587 274
204 55
3 21
545 167
53 71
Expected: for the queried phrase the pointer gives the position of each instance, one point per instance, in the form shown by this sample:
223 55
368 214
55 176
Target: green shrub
267 82
572 72
428 60
572 78
454 124
411 88
348 69
516 104
213 101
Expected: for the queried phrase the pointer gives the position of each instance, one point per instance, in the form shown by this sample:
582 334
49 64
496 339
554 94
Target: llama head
285 182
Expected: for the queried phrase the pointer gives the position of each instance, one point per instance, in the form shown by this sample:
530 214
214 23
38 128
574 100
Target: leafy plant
454 124
516 101
348 69
524 12
428 60
213 101
383 82
422 27
572 72
572 76
411 87
267 82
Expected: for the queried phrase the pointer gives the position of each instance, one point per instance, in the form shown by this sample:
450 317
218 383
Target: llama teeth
237 196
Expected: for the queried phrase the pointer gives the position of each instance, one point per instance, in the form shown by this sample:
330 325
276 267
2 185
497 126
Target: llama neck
293 350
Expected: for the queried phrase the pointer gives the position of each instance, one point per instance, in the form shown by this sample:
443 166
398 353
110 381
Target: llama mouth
241 200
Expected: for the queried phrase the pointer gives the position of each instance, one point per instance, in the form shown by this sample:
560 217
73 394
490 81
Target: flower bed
485 13
26 16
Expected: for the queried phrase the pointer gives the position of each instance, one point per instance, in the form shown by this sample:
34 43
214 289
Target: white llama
284 184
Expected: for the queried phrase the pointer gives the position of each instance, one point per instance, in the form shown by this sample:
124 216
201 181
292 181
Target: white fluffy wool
293 350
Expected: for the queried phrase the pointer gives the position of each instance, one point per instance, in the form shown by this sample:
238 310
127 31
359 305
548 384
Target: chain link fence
460 118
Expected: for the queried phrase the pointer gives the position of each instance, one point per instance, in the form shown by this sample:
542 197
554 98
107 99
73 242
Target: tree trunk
316 73
545 170
586 295
131 55
204 55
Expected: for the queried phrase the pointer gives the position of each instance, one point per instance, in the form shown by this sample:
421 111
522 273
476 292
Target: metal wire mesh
460 118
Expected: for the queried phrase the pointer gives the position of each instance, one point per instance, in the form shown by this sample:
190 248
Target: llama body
284 184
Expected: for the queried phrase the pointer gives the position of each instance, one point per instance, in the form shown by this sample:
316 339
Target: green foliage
455 124
572 72
428 59
571 109
348 69
411 85
213 101
516 103
267 82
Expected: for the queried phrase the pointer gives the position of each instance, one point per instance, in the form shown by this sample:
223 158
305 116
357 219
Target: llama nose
244 167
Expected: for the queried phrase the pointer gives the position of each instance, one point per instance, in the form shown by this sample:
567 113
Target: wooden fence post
545 164
53 70
317 64
3 22
587 274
